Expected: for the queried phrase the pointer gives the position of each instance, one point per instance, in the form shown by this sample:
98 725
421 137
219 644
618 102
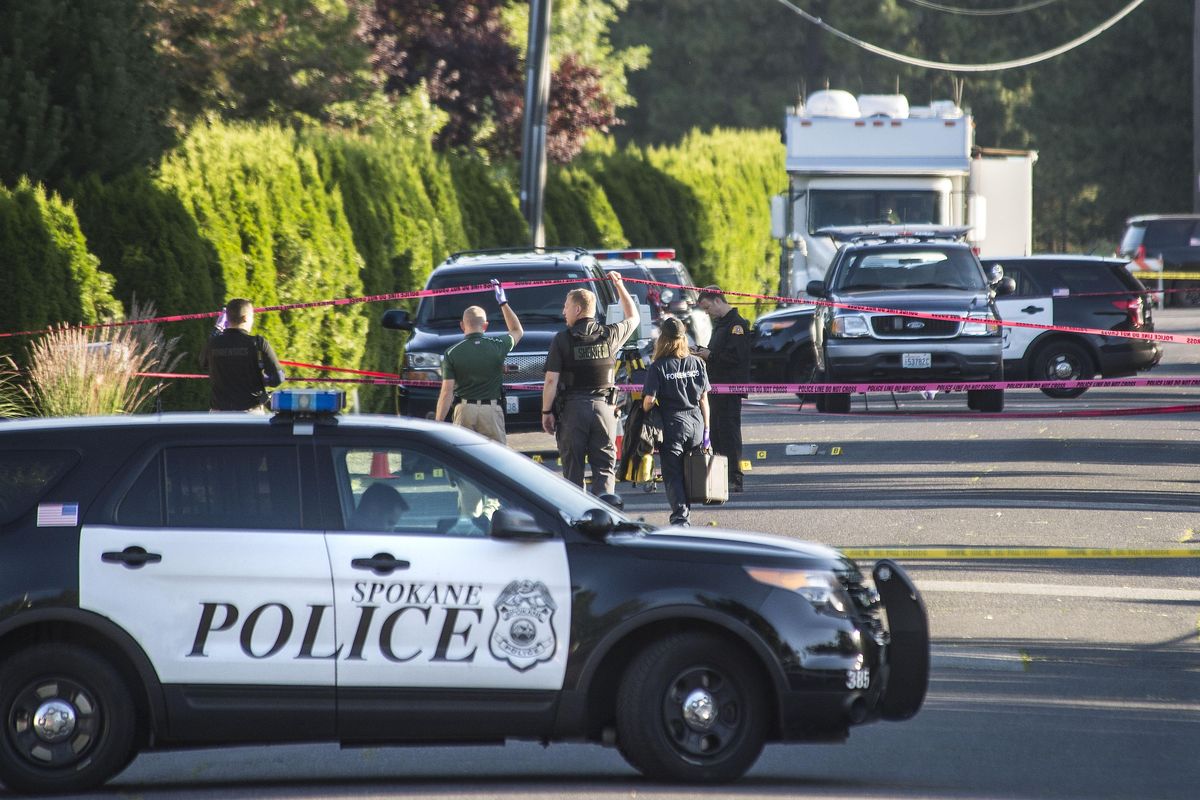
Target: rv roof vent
883 105
832 103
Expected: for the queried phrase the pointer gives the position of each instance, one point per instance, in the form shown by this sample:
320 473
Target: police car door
218 570
427 601
1029 303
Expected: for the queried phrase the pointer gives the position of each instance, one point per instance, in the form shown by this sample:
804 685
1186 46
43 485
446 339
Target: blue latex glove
501 298
707 443
222 321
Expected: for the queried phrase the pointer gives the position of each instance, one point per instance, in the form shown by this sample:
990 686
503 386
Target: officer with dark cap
677 383
728 360
579 397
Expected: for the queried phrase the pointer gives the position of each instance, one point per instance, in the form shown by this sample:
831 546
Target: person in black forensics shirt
678 384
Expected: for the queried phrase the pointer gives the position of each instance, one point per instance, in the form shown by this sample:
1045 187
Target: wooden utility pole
533 127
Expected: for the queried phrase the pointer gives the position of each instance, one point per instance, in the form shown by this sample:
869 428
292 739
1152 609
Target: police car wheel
690 708
837 403
1063 361
68 720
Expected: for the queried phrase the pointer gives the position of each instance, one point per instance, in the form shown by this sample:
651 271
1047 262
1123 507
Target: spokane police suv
184 580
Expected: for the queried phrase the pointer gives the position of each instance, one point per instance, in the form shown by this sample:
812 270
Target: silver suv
913 272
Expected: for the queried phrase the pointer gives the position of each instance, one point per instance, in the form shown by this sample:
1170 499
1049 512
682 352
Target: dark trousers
682 431
726 411
587 426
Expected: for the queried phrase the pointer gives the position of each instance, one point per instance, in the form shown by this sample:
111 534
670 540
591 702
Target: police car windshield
917 267
532 304
539 481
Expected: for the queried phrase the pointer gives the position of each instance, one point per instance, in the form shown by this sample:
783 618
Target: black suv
911 271
187 580
1076 292
1173 238
435 326
781 349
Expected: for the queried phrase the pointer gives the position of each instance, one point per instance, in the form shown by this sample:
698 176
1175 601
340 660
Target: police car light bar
308 401
661 253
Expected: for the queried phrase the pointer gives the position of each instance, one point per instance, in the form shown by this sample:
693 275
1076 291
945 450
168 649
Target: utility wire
950 67
982 12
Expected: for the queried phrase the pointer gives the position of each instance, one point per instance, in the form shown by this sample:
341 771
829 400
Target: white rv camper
874 160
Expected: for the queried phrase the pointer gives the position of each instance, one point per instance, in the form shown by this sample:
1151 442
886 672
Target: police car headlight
822 589
980 328
849 325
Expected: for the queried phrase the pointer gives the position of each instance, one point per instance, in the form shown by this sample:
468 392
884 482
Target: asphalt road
1052 677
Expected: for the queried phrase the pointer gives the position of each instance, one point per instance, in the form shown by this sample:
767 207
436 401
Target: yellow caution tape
1146 275
968 553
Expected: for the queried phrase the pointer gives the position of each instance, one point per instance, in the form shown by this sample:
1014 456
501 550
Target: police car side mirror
815 289
1005 286
508 523
595 522
397 319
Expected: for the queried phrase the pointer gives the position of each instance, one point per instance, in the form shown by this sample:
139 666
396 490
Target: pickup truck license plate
510 405
916 360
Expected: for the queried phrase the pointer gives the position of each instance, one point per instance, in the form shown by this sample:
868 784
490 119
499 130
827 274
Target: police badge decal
524 632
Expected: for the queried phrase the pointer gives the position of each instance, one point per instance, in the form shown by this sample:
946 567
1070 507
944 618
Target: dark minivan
434 328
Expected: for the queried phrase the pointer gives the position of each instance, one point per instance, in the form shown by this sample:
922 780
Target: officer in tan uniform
579 398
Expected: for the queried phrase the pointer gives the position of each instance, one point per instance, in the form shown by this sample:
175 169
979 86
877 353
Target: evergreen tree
81 89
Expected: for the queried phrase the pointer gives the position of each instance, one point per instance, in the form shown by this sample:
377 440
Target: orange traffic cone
379 465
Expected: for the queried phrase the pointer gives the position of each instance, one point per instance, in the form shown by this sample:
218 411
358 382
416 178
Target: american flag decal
57 515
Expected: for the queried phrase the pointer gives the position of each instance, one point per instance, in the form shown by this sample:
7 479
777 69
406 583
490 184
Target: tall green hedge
50 275
155 250
280 217
709 197
490 211
578 212
399 202
280 236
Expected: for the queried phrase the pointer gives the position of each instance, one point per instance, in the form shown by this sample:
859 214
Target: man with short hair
473 371
579 396
728 360
240 366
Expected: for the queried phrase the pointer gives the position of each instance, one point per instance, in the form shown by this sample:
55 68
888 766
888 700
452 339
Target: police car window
1086 277
405 491
232 487
142 504
26 475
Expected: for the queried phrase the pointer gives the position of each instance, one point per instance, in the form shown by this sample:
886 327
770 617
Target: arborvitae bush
154 249
279 234
578 213
50 276
395 198
490 212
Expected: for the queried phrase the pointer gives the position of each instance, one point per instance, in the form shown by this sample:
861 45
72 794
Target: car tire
837 403
1062 360
989 401
718 737
93 702
802 368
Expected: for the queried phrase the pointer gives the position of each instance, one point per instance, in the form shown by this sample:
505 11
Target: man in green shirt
473 371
